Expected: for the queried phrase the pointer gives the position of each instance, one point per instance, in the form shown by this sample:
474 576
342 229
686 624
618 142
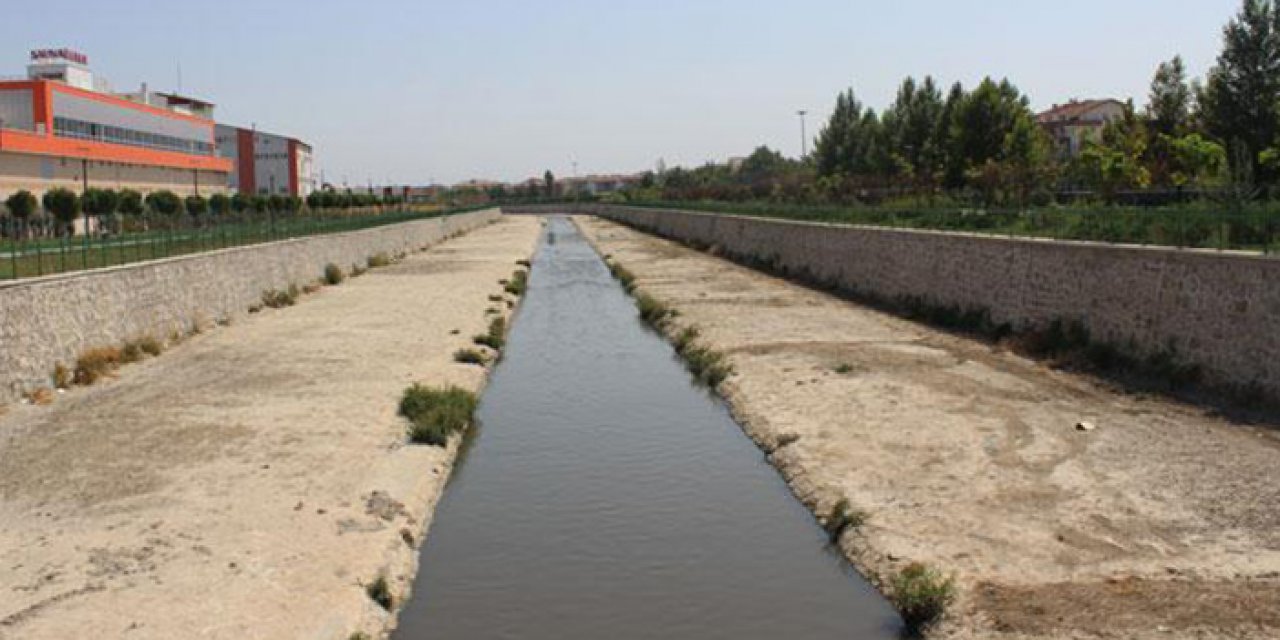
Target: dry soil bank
1164 522
249 483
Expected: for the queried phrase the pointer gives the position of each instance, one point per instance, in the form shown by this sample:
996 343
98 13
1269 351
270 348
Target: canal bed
604 495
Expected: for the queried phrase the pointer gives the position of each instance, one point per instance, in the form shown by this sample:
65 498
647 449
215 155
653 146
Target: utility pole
804 138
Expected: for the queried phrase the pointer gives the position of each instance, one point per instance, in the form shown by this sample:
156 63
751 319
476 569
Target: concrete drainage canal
605 496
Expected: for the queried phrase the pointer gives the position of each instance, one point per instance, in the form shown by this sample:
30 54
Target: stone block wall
44 321
1220 310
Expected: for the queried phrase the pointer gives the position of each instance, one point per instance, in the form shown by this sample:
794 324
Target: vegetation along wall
51 320
1220 311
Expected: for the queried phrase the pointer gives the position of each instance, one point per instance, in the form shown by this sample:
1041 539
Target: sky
417 92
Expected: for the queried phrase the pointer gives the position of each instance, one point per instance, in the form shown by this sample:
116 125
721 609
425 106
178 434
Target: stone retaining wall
44 321
1220 310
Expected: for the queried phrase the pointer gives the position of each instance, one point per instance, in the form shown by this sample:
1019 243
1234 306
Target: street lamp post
804 138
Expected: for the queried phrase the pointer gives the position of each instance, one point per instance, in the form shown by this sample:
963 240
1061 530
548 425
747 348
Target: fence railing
37 247
1253 228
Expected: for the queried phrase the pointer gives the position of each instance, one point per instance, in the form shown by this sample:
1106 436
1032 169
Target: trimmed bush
922 595
435 414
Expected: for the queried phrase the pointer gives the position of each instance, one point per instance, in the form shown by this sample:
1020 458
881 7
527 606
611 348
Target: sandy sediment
250 482
1163 521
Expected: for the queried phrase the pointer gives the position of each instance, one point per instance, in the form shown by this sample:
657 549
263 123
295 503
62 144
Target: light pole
804 138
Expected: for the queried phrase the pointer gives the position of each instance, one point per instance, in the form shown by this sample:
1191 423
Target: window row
70 128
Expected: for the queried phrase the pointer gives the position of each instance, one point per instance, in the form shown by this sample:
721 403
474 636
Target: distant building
595 185
266 163
61 127
1078 122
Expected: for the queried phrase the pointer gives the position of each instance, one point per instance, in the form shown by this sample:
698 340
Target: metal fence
38 247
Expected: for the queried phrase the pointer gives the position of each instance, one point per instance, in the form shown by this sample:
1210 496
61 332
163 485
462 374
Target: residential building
1071 126
61 127
266 163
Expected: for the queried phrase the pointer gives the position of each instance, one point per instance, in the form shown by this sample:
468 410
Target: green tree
1026 158
549 183
1239 99
239 202
1170 101
219 204
64 206
164 203
912 131
21 205
130 203
983 119
196 206
1115 163
1196 159
101 204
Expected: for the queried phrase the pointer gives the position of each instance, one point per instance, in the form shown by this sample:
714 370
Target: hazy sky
409 92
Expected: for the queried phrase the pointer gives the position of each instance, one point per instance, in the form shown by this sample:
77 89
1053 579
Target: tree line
984 143
116 211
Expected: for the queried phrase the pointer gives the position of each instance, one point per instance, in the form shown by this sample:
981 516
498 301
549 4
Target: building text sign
70 55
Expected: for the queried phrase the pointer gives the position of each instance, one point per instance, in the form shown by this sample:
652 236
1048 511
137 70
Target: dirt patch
1119 608
967 457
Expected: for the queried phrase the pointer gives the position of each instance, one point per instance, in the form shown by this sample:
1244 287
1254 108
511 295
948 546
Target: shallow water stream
604 496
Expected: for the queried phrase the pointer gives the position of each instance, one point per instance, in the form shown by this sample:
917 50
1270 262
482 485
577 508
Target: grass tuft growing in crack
921 595
470 356
518 283
333 274
496 337
434 414
380 592
842 518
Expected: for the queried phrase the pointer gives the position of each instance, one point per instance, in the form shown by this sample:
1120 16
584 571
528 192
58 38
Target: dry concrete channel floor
249 482
252 481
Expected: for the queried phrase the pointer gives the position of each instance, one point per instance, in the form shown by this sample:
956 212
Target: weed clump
496 337
93 364
469 356
842 517
707 365
277 299
333 274
357 270
524 263
922 595
436 414
518 283
844 368
380 592
62 377
379 260
652 311
495 298
623 276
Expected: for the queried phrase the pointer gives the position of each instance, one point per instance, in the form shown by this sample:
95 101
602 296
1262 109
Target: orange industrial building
61 127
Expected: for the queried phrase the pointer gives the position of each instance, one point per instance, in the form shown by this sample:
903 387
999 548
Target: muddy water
606 497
